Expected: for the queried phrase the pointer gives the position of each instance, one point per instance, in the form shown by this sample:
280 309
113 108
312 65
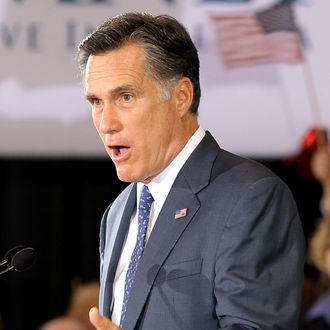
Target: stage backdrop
262 89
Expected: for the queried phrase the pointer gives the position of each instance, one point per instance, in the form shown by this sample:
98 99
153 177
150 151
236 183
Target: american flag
249 38
180 213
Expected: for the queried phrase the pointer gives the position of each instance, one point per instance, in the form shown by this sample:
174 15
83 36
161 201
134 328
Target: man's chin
129 177
126 177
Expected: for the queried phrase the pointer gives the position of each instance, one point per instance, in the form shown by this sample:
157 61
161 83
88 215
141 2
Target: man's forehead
125 56
112 77
126 61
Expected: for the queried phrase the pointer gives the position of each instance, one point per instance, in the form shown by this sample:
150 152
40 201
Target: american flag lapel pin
180 213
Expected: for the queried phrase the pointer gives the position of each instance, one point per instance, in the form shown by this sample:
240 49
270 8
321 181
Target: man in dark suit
202 238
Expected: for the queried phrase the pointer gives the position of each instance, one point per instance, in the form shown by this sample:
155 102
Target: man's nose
109 120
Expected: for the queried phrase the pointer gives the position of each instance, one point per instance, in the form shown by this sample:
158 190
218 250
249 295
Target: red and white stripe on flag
245 39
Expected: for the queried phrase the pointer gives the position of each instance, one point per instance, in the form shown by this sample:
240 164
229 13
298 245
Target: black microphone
9 255
19 258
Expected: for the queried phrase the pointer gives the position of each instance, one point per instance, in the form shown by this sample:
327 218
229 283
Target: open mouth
119 151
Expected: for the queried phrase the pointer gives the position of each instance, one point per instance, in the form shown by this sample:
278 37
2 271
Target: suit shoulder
240 169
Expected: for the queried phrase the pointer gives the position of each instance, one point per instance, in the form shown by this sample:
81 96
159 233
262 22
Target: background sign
256 99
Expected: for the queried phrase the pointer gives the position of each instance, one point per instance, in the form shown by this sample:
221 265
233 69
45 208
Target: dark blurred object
63 323
311 291
299 173
306 187
320 165
56 206
19 258
319 255
1 325
316 324
84 296
314 138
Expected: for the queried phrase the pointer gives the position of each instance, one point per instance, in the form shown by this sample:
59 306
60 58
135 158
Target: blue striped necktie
145 203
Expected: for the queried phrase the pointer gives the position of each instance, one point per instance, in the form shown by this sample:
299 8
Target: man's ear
184 92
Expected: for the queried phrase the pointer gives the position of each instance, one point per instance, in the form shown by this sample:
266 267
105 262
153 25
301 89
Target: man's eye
96 102
127 97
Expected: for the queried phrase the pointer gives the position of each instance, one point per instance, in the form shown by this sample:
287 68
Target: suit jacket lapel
165 234
167 229
112 260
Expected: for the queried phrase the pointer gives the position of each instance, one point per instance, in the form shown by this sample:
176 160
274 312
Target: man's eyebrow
114 91
90 96
123 88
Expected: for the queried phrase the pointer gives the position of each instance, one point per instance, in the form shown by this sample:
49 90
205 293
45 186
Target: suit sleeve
260 257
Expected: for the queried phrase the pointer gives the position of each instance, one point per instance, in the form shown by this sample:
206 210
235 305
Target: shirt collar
160 186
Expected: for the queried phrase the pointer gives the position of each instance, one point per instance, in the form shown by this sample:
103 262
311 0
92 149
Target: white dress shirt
159 188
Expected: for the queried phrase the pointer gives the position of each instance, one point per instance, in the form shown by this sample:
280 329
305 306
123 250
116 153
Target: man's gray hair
170 52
